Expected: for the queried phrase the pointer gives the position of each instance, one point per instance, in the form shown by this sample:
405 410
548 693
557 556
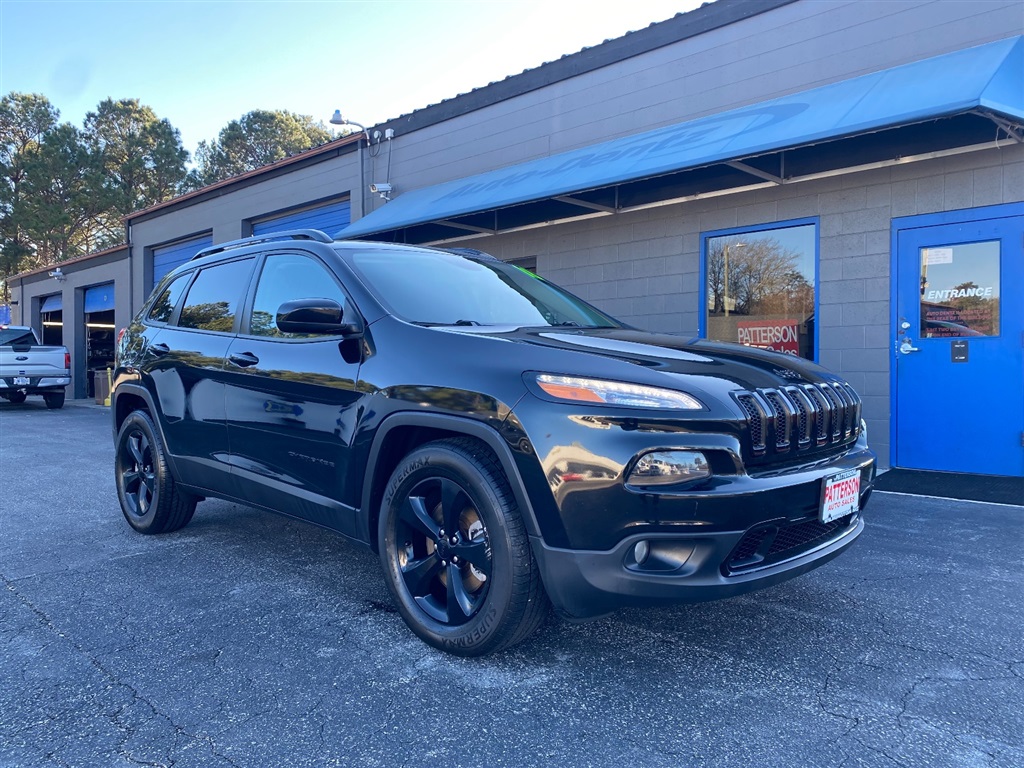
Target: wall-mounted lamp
338 119
59 276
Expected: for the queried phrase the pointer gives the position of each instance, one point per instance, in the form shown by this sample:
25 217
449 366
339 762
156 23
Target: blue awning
815 131
99 298
52 303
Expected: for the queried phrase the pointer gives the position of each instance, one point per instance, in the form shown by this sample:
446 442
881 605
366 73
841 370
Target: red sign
776 335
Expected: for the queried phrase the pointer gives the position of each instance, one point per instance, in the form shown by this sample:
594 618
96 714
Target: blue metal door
959 347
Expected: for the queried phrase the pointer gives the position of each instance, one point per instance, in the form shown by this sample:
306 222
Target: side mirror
320 316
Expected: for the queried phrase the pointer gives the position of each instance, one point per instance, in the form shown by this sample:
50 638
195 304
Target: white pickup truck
29 368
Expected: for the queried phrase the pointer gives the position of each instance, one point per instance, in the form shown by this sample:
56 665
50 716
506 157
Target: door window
287 277
214 297
165 303
960 290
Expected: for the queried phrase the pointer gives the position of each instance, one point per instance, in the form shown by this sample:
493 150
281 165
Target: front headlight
580 390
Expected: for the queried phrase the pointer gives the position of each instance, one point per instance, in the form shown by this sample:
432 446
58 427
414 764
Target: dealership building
835 179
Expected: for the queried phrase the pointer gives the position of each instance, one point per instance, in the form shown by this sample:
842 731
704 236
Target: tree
257 139
141 156
60 209
24 119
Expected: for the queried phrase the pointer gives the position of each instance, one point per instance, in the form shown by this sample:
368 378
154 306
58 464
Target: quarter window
213 299
286 277
760 287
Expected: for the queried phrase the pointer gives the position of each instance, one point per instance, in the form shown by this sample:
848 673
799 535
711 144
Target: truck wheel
455 552
53 399
16 397
150 499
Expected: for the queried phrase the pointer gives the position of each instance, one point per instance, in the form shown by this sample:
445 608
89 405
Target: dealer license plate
840 496
21 381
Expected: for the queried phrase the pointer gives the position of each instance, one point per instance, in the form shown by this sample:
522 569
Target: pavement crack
137 697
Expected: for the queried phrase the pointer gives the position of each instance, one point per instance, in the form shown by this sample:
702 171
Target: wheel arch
132 397
403 432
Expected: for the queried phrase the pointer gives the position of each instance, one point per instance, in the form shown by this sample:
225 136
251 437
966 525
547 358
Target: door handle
243 359
159 349
907 346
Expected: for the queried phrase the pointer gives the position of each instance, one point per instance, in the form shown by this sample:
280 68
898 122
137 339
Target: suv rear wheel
455 552
150 499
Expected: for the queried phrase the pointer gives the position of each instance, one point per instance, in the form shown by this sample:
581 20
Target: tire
54 400
149 496
16 397
456 556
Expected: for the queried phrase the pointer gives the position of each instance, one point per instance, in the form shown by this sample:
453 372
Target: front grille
799 417
772 544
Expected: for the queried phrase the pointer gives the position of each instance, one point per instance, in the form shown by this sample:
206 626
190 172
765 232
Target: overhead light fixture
338 119
59 276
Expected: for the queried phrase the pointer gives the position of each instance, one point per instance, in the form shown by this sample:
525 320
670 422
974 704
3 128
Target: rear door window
215 296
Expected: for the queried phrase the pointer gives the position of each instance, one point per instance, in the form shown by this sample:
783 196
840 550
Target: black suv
503 445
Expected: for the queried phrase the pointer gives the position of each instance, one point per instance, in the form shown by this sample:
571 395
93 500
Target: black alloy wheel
150 499
137 476
443 554
455 552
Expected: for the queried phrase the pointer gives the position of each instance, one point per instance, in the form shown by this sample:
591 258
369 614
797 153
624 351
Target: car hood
658 353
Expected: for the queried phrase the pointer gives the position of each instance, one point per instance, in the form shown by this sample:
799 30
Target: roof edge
709 16
87 257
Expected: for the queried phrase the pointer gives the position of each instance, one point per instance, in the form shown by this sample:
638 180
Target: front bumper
689 565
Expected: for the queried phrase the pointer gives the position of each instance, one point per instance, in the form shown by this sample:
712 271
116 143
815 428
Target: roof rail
290 234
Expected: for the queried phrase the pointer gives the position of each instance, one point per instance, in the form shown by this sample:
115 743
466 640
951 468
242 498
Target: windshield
439 288
17 337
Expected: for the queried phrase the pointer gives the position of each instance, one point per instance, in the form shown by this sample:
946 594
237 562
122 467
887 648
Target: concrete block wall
644 267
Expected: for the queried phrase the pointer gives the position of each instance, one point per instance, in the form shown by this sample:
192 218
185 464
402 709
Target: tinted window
213 299
287 277
438 288
164 306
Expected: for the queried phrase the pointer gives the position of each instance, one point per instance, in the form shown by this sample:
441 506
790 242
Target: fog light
641 551
669 468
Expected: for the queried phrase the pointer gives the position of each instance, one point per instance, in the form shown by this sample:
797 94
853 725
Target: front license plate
21 381
840 496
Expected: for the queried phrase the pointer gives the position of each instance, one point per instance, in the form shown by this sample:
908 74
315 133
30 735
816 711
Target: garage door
168 257
330 218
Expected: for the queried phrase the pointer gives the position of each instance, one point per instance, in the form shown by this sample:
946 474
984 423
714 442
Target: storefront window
760 287
960 290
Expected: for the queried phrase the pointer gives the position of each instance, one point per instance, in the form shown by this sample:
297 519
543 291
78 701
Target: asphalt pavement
248 639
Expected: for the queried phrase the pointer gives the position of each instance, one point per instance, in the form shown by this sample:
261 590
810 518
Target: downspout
131 268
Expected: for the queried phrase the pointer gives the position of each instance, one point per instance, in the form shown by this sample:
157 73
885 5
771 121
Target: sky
202 63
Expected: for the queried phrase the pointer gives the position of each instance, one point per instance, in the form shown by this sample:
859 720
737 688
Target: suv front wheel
455 552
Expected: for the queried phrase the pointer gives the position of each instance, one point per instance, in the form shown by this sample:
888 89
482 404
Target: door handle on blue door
907 346
243 359
160 349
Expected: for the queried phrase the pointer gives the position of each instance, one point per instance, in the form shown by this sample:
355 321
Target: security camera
380 188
